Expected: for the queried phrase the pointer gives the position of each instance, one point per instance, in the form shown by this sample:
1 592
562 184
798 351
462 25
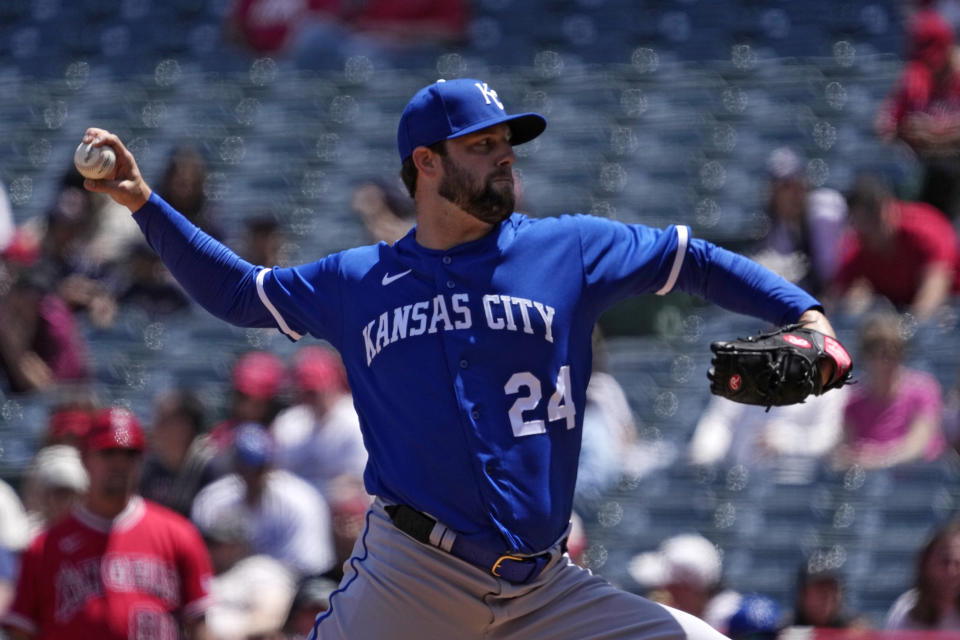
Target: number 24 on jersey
529 392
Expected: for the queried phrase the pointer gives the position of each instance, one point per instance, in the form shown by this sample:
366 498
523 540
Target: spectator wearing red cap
69 426
118 566
923 109
319 440
70 415
257 379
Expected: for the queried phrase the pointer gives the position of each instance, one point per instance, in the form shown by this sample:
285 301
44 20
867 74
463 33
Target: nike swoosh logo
387 278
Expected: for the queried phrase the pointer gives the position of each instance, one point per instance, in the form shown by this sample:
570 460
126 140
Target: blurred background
273 125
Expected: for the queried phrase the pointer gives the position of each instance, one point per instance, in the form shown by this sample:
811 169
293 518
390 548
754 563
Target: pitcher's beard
491 203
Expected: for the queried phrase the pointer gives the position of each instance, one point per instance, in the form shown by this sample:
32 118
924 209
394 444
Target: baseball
94 162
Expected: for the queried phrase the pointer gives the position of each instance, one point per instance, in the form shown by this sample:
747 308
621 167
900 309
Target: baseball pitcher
467 347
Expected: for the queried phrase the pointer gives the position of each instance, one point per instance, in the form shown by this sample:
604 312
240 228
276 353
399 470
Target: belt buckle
496 565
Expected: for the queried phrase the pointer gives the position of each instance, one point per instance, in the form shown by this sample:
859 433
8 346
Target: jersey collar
407 245
123 521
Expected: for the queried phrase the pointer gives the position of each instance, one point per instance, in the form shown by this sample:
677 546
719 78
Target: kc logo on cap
489 94
449 109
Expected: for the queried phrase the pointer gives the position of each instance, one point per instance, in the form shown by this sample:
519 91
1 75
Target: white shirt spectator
14 536
689 568
320 450
7 226
14 526
291 522
806 224
730 433
251 599
898 617
609 437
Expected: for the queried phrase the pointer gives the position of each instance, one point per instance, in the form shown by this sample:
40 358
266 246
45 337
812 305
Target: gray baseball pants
395 588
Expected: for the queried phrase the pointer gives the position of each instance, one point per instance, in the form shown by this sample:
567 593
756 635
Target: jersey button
464 364
475 414
447 259
451 284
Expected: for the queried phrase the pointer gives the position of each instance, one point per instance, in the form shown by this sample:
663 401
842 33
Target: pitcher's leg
573 604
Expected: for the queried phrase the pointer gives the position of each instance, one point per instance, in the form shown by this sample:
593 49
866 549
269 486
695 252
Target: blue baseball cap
449 109
252 445
757 618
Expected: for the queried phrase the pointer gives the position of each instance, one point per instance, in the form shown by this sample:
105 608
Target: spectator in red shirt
265 26
903 251
119 566
396 24
323 34
924 109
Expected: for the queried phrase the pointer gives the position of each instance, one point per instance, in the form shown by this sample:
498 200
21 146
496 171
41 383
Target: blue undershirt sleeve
218 279
734 282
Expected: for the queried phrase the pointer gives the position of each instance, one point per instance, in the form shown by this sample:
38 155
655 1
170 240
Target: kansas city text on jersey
443 313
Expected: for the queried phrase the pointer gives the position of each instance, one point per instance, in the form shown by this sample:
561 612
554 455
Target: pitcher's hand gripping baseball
779 367
126 185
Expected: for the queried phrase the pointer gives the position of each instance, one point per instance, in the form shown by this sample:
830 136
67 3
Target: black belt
512 568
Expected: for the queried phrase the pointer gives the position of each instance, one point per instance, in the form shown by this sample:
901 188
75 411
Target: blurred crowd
275 490
274 484
686 572
323 34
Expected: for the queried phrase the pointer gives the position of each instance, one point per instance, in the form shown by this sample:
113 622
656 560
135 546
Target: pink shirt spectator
40 343
876 423
59 342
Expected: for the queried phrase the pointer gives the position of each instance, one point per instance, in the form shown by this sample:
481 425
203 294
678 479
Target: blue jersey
469 366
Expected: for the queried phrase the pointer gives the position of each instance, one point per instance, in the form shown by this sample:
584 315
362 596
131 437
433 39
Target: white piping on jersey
272 309
682 237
